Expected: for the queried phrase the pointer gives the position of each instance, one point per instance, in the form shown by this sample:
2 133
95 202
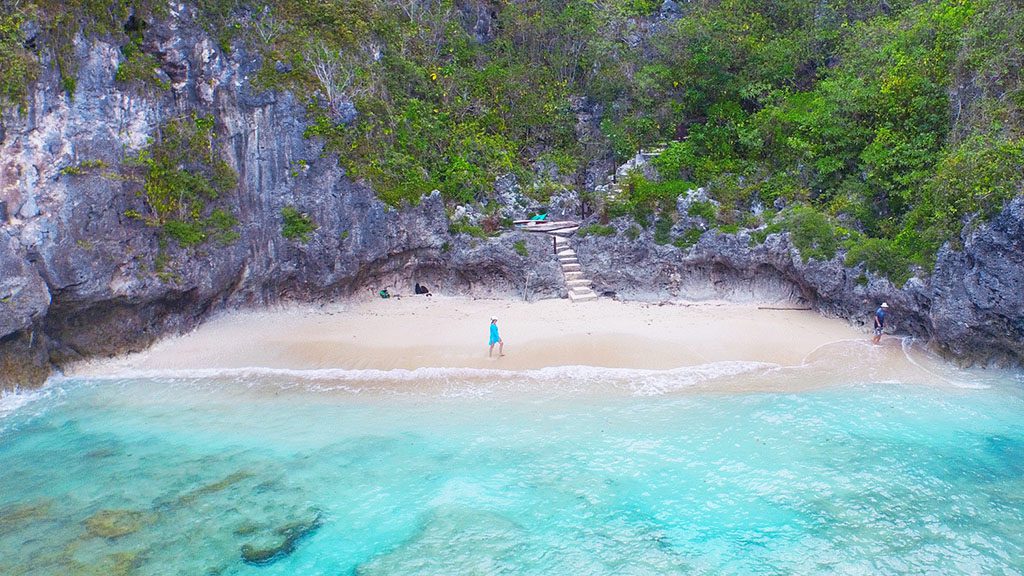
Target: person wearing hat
879 322
495 338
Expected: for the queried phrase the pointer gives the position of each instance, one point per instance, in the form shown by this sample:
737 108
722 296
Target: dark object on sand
422 289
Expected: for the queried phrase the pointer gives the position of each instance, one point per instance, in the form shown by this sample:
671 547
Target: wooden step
575 267
573 275
546 226
579 283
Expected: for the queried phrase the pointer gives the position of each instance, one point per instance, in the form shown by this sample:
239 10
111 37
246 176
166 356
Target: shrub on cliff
880 256
975 178
643 198
595 230
17 67
296 225
178 176
813 233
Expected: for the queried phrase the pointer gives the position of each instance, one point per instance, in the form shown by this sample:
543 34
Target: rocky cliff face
77 277
977 295
971 308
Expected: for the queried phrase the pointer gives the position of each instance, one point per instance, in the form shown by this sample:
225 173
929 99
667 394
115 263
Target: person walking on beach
495 338
879 322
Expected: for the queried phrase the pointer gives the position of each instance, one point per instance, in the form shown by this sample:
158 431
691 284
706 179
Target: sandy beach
451 332
714 343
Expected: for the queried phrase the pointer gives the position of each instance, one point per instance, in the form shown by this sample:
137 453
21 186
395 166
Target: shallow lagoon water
567 471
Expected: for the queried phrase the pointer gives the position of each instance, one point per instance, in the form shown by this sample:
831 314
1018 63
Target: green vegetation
464 227
17 65
643 198
296 225
884 127
812 233
880 256
221 227
688 239
663 229
58 23
595 230
705 210
843 111
520 248
436 109
83 167
140 66
181 175
299 167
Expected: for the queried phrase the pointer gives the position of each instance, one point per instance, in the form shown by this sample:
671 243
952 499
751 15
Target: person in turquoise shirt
495 338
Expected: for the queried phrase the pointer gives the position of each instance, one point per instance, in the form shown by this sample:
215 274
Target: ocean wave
452 381
572 380
11 400
940 368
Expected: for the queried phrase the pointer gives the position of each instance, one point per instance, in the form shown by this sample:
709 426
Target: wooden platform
561 228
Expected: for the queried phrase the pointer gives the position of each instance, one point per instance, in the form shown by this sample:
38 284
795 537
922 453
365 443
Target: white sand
414 332
790 350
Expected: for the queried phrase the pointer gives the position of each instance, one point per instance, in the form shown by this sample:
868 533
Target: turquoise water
460 473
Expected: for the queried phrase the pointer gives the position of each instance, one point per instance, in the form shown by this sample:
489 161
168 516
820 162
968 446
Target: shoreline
451 332
580 351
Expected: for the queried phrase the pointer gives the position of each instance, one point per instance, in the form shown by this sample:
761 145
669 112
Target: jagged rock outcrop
977 304
24 300
480 18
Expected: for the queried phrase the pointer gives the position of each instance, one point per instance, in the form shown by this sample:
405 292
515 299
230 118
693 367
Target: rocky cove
79 278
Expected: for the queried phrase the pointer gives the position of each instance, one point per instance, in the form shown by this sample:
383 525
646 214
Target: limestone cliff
78 277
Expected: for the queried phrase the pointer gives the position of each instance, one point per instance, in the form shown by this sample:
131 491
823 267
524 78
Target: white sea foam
950 374
303 374
11 400
463 382
453 382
